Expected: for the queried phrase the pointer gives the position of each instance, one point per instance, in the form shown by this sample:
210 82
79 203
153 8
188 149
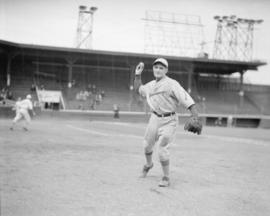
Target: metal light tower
234 38
85 27
172 34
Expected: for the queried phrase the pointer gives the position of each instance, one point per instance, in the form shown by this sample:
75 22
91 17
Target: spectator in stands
94 89
98 98
90 93
116 111
78 96
85 95
89 87
73 83
33 87
3 94
9 95
93 103
102 93
81 95
42 87
80 107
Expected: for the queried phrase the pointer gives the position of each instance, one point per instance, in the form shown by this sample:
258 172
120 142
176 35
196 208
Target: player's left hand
139 68
194 125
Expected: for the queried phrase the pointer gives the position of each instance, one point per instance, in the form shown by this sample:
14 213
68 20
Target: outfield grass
69 167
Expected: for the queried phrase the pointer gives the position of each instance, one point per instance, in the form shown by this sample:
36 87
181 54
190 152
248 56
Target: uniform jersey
165 95
17 106
25 104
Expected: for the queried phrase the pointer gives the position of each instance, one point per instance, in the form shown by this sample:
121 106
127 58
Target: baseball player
163 96
22 108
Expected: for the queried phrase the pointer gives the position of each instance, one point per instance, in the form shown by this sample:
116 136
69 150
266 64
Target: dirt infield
92 168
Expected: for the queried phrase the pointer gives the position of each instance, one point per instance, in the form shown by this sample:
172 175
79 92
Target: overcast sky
118 24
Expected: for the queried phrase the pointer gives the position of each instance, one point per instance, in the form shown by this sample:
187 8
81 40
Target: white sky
118 24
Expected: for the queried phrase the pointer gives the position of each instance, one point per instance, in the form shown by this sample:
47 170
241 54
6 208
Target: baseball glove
194 125
139 68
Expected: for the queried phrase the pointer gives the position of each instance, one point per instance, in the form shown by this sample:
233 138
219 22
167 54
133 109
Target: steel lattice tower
234 38
172 34
85 27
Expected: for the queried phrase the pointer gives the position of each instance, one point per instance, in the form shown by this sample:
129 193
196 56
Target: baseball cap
28 96
162 61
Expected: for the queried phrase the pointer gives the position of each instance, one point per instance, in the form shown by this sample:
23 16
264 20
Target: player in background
22 109
163 96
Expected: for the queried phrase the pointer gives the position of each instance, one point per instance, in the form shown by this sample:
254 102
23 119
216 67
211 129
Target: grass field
69 167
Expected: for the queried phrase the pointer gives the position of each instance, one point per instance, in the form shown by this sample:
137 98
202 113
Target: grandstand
71 70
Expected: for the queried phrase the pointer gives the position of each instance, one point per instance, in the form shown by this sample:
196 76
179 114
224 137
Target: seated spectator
93 103
85 95
102 93
90 93
78 96
100 97
69 84
33 87
80 107
81 95
2 96
9 95
94 89
89 87
97 99
73 83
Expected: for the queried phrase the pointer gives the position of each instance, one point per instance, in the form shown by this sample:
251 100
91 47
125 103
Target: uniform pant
22 113
160 131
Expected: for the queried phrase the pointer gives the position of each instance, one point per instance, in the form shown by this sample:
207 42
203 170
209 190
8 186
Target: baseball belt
164 114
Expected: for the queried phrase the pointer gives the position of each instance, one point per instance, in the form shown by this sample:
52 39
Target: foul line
103 134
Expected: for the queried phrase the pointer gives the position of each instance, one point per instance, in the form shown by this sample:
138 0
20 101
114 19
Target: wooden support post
190 71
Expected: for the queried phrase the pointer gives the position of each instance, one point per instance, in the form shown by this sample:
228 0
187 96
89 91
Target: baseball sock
148 157
165 167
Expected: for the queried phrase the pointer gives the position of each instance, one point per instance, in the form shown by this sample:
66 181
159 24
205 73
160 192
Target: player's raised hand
139 68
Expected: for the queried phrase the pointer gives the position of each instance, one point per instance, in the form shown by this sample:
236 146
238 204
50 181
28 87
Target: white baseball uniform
22 108
163 97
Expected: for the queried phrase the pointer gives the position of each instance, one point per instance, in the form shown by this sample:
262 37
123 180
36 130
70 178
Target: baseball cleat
146 169
165 182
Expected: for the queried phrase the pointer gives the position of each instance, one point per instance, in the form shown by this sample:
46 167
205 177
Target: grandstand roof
83 57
